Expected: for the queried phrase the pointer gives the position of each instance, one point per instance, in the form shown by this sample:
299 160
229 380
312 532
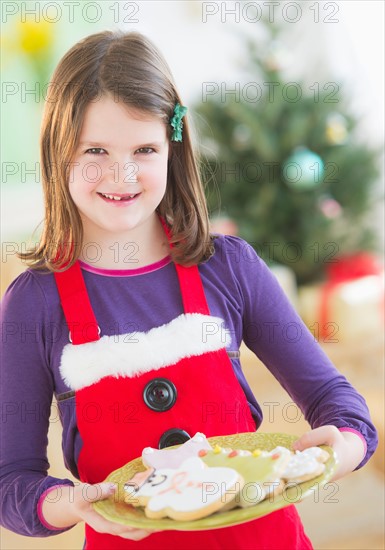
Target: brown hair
129 67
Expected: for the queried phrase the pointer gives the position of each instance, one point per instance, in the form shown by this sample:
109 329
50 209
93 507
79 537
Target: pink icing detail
126 272
353 431
182 488
40 508
180 481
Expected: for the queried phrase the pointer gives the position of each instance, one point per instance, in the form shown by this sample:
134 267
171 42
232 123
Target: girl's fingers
99 491
324 435
102 525
137 534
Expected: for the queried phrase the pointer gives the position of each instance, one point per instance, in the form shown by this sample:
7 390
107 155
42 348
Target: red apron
117 416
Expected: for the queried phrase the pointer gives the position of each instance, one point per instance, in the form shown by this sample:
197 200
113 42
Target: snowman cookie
188 492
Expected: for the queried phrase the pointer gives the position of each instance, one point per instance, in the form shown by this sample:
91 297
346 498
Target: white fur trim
135 353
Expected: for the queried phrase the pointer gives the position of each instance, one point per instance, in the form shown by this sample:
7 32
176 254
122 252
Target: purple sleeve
274 331
26 388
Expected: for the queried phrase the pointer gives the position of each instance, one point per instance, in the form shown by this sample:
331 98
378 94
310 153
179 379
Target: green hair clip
177 122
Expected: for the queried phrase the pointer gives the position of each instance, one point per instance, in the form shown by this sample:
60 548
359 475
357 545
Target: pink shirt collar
126 272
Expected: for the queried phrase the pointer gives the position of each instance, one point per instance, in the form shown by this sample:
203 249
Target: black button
160 394
175 436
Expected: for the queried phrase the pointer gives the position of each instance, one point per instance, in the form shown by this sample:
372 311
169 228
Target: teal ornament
303 170
177 122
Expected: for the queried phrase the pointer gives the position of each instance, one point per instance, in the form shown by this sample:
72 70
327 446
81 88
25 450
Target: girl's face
118 174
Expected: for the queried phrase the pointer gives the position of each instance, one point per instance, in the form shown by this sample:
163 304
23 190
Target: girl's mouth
115 198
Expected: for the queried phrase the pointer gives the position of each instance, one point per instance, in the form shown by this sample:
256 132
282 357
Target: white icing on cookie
303 463
173 458
192 490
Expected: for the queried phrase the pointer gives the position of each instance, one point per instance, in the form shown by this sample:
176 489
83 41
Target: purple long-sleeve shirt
239 288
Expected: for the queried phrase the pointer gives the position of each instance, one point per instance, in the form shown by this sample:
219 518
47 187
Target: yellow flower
35 38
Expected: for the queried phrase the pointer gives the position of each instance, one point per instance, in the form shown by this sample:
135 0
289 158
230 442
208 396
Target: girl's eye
146 150
95 150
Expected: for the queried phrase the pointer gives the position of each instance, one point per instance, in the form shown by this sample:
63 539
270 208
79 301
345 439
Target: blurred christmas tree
284 161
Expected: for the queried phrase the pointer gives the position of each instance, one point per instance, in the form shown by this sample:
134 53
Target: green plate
115 509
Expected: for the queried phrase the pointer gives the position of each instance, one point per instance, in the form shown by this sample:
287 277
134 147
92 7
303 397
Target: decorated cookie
173 458
305 465
260 470
191 491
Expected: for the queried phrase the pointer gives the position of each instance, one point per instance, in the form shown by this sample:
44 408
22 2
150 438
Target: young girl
132 314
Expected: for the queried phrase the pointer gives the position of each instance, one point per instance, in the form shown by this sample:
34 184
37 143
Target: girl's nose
130 172
124 173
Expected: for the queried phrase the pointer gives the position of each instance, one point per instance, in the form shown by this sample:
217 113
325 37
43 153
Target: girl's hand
75 505
348 447
85 495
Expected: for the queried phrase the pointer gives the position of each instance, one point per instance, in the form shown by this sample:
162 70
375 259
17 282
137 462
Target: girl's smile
119 200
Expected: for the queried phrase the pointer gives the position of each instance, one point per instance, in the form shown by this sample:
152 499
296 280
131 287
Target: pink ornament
330 208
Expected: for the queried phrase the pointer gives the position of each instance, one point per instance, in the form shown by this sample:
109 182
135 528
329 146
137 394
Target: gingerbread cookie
191 491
